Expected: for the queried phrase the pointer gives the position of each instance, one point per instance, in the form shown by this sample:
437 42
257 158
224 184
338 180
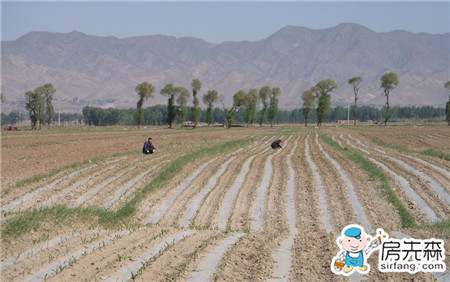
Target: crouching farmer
148 147
276 144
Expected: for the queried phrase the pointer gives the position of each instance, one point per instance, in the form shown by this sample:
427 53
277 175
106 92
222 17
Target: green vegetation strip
30 220
374 173
428 152
442 227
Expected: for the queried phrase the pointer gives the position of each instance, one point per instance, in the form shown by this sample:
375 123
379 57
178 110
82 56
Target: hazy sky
216 21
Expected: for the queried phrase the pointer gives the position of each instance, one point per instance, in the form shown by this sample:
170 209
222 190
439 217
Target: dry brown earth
95 164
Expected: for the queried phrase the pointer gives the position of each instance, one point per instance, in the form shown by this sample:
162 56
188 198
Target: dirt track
218 199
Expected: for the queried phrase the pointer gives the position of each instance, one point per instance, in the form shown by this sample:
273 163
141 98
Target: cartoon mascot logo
353 253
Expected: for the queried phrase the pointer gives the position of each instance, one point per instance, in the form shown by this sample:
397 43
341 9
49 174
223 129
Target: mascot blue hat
353 232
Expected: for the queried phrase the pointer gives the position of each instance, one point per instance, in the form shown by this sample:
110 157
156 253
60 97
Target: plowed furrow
318 182
198 190
284 200
438 189
441 174
199 198
91 193
420 193
67 194
160 212
231 194
70 258
437 186
437 164
243 192
241 189
240 217
260 202
367 146
349 143
134 269
338 203
314 245
417 200
176 209
367 195
130 186
273 217
209 207
337 140
209 262
28 254
16 203
75 184
247 260
174 263
110 259
218 205
136 171
153 201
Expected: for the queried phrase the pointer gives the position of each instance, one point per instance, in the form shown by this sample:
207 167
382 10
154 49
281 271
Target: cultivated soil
66 192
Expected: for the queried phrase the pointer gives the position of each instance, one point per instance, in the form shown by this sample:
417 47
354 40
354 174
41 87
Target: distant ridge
103 71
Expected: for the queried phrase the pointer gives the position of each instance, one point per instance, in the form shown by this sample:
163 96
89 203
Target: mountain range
104 71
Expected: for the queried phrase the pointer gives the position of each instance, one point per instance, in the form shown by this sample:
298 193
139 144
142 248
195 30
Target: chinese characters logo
412 255
395 255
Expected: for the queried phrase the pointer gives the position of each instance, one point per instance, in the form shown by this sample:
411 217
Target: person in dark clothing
276 144
148 147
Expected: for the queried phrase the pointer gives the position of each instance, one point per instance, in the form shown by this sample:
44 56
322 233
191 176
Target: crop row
252 213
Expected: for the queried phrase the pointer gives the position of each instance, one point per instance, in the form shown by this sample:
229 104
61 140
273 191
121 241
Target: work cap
353 232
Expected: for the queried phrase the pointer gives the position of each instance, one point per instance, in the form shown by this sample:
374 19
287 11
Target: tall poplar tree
239 100
308 104
252 100
35 106
172 93
196 112
169 91
145 91
209 99
354 82
273 105
46 92
322 92
264 95
182 98
388 82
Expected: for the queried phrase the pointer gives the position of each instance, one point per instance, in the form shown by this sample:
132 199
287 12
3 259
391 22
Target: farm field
83 204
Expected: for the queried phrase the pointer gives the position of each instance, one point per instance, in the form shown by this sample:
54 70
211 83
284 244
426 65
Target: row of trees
320 95
248 101
178 98
40 108
157 115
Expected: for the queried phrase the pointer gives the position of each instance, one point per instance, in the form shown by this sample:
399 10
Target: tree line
156 115
40 108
